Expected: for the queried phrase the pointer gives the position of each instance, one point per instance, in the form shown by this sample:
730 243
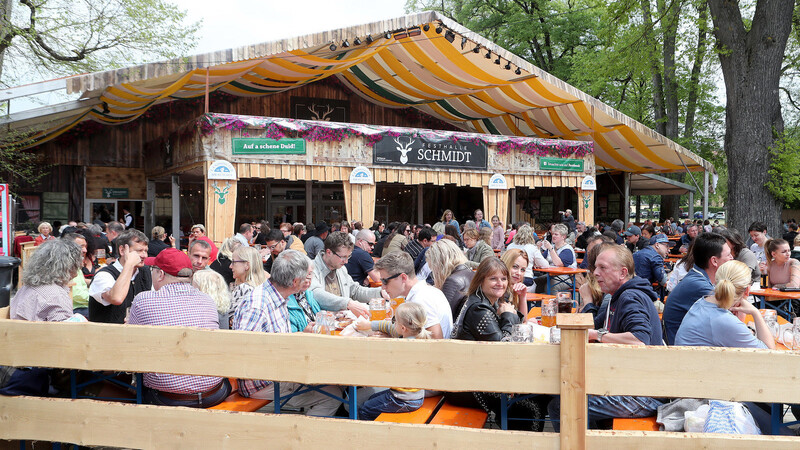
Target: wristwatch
600 333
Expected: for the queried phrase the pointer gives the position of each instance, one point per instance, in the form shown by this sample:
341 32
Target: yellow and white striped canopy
424 61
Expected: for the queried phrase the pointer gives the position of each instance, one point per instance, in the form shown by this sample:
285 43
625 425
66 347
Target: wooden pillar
310 204
359 202
705 195
420 206
586 207
176 209
638 208
626 207
495 201
574 339
220 208
149 207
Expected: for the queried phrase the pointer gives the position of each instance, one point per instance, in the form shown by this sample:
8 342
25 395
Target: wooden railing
572 370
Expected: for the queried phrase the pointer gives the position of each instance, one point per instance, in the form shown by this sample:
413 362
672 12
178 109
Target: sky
244 22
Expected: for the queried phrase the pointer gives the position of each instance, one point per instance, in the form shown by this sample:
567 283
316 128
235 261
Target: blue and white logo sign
498 181
588 183
221 170
361 175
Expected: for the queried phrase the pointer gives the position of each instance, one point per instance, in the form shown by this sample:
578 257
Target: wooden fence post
574 331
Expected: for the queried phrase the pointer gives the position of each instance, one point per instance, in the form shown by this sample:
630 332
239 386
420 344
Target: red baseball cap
171 261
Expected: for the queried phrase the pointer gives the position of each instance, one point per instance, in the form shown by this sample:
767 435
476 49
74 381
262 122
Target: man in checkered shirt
174 301
266 311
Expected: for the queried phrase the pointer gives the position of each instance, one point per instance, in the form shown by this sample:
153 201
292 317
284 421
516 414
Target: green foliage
784 171
49 38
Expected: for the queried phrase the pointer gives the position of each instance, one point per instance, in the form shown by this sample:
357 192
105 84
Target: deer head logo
221 192
319 114
403 148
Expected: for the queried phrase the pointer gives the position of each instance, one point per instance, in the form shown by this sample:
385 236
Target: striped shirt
176 304
265 310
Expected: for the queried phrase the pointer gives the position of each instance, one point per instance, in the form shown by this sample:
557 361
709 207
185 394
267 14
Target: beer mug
100 255
397 301
564 302
549 309
324 322
380 309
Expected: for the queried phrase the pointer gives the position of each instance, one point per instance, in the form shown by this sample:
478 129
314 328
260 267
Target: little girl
410 324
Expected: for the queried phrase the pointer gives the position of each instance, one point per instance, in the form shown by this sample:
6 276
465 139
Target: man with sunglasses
274 244
334 288
361 263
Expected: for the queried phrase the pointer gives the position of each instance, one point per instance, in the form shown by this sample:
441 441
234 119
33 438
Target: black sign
425 152
326 109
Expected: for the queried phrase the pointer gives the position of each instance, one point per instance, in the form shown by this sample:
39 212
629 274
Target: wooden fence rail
730 374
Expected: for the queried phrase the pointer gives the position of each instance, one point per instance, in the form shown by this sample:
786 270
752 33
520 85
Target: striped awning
424 61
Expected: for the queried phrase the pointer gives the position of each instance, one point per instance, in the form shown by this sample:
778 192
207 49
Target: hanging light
357 41
369 39
488 54
450 36
508 66
345 44
463 42
518 71
477 49
426 27
332 47
387 35
497 61
438 29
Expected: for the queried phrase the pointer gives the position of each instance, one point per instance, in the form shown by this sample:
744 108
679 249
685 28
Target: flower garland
278 129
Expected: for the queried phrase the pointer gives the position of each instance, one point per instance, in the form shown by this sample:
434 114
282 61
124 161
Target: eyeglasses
343 258
386 281
371 244
408 230
272 247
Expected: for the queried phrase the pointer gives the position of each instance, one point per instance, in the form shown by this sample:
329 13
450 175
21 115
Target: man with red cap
175 302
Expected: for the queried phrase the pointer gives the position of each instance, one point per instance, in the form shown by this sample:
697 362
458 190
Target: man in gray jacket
332 286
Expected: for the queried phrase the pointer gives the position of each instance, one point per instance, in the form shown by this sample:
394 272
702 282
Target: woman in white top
559 254
524 240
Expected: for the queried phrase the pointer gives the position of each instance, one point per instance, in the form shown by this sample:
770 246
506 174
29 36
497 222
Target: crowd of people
459 281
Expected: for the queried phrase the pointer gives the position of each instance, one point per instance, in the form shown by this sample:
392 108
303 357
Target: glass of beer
549 309
564 302
100 255
380 309
397 301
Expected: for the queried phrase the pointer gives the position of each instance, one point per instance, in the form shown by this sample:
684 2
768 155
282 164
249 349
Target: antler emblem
315 115
221 192
403 148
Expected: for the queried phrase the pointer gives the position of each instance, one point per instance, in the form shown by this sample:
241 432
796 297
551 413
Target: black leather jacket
455 287
478 321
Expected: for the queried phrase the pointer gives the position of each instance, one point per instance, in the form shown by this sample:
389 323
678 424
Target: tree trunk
6 7
697 64
655 70
751 67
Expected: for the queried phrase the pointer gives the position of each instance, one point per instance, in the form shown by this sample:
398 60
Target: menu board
5 221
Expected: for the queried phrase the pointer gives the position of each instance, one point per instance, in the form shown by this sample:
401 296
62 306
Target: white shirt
240 237
437 309
103 282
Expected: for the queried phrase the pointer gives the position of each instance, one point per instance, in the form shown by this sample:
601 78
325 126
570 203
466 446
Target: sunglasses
386 281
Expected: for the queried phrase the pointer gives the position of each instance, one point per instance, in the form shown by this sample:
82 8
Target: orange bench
420 416
459 416
237 402
640 424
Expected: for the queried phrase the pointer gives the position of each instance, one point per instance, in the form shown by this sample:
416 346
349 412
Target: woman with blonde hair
447 219
783 270
214 285
248 273
450 272
222 265
45 230
525 241
709 321
517 261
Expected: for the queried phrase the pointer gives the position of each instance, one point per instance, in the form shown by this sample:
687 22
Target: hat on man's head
322 227
660 238
172 261
633 231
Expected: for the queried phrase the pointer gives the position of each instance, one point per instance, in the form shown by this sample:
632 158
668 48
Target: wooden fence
572 370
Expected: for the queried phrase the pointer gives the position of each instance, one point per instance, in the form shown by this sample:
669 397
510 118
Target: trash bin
7 266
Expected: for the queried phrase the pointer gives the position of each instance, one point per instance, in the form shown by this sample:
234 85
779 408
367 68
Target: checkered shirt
265 310
176 304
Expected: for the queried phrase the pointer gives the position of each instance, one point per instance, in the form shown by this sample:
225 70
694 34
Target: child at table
410 324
